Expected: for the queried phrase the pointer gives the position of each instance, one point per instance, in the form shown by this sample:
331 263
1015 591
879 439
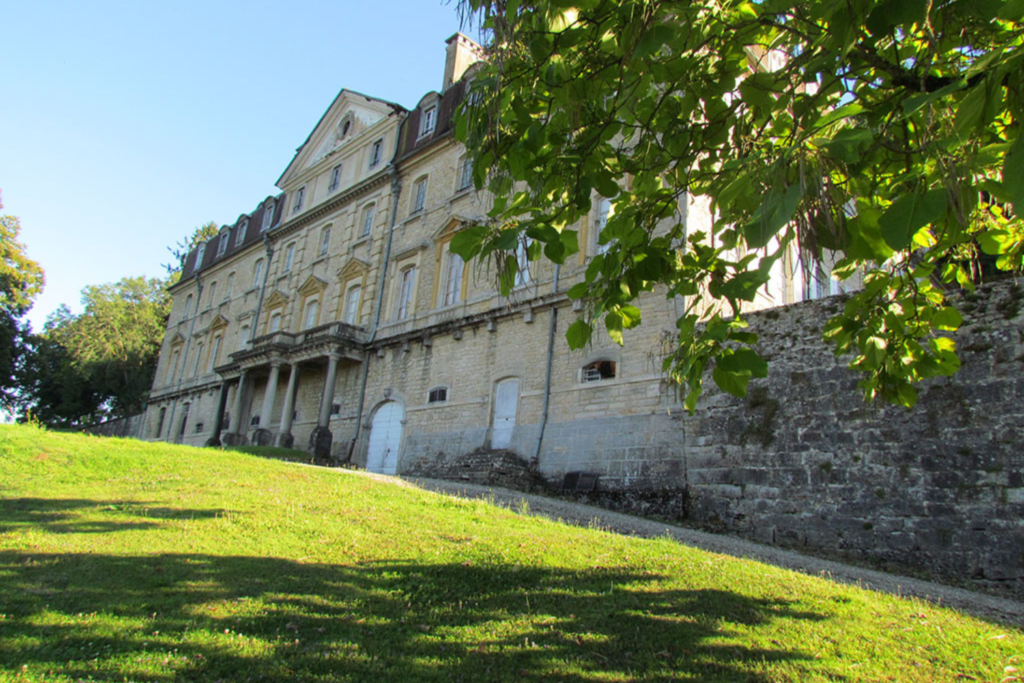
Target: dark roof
447 104
253 234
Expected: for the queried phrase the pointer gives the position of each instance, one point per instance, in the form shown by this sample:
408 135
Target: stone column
284 437
218 421
236 435
321 439
263 436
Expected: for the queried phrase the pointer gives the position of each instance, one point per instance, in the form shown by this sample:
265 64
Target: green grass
144 562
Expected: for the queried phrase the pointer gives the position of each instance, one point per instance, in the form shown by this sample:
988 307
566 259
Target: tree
99 363
181 250
886 132
21 281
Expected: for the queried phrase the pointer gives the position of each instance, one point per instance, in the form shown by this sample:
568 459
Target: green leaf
947 318
578 334
910 213
613 323
775 212
744 360
1013 173
468 243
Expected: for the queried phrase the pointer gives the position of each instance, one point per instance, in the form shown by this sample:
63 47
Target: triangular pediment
219 323
277 299
312 285
455 223
350 115
178 340
353 269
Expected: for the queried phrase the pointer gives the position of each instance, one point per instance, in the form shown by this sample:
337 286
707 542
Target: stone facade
334 318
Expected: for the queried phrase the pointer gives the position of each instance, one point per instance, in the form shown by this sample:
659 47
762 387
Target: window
367 222
268 216
335 409
254 421
160 423
598 371
174 366
257 273
428 119
213 294
299 196
188 307
325 241
222 243
376 152
604 212
200 253
243 337
214 352
420 195
231 285
438 395
274 324
523 261
335 178
352 305
199 357
405 292
199 427
345 127
453 279
465 174
242 229
289 257
312 309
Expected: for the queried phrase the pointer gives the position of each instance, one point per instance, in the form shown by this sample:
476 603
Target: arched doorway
385 438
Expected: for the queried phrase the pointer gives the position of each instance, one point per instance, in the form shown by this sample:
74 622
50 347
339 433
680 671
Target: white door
385 438
506 403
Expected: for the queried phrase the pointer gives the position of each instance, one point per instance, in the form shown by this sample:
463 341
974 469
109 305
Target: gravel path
989 607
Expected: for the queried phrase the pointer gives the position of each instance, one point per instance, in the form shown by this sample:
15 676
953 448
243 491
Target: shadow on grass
63 515
246 618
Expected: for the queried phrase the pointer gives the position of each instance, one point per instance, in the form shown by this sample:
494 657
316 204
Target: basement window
335 409
438 395
199 427
255 421
598 371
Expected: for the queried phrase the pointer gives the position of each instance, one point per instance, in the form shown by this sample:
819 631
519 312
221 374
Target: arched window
200 253
268 216
312 309
243 228
352 305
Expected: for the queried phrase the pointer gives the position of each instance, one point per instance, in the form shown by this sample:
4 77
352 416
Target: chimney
461 53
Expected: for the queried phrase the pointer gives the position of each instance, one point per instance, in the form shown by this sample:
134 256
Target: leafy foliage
21 281
180 251
886 132
98 363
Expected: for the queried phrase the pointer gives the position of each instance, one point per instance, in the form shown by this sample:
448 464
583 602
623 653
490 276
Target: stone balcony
291 347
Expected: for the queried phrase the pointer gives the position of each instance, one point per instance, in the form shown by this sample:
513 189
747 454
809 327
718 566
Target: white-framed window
268 216
325 240
367 220
437 395
465 174
598 371
523 276
453 279
405 292
376 152
214 352
312 309
200 253
257 273
428 121
243 337
289 257
213 294
274 324
604 212
223 240
419 195
242 229
188 307
173 369
352 297
299 196
335 179
199 357
231 285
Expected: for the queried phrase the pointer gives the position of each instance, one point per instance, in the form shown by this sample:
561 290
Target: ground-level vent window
598 371
199 427
254 421
335 409
438 395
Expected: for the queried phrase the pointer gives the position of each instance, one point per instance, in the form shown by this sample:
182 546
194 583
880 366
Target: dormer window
200 253
428 120
222 244
299 196
268 216
335 178
376 152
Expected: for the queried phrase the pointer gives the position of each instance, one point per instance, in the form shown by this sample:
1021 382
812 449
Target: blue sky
127 124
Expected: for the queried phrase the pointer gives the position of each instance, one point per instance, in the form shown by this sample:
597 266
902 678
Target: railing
337 332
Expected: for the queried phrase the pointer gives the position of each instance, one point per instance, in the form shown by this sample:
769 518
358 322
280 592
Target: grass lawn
142 562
